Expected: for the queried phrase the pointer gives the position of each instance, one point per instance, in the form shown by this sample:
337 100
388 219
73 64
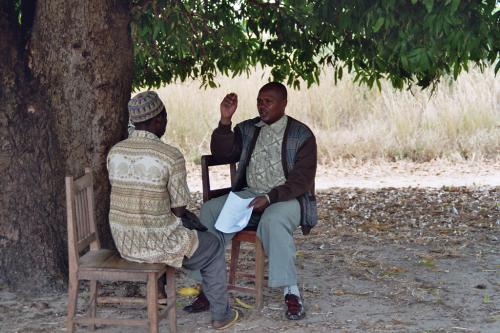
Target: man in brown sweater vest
277 158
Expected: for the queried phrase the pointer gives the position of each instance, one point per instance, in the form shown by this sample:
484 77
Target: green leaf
456 70
429 4
425 62
454 6
201 39
155 31
370 81
378 24
404 61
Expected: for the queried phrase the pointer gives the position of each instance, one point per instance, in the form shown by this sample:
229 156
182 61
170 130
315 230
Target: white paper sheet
235 214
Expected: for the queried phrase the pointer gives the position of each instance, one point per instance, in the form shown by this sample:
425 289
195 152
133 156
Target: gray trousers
209 260
275 229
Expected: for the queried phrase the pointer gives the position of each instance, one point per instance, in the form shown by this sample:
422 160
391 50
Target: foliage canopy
405 41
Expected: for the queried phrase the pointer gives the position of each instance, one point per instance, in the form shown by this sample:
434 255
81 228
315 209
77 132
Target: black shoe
295 309
199 304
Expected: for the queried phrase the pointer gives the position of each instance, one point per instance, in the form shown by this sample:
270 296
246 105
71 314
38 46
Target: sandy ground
432 174
399 247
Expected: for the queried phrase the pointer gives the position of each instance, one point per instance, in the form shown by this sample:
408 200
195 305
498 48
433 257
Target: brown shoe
223 324
199 304
295 309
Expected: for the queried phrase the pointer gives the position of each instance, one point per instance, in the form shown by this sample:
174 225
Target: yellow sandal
223 324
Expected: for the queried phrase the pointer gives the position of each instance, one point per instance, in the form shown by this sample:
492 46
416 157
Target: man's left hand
259 204
191 221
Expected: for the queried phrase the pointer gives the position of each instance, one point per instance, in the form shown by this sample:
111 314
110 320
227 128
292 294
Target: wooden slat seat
97 264
112 261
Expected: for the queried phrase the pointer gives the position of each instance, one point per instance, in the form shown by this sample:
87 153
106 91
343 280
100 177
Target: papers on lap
235 214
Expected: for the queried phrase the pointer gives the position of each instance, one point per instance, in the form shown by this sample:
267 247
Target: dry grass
461 120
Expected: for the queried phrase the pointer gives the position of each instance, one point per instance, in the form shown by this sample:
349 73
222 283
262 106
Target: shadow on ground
387 260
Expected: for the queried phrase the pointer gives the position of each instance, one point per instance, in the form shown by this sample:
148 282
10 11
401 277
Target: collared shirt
265 170
148 178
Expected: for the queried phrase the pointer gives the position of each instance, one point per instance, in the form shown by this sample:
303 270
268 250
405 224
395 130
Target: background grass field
460 120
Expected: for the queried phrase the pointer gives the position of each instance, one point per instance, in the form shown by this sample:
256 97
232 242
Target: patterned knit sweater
148 178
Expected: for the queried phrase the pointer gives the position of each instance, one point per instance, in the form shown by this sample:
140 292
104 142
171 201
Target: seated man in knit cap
148 216
277 159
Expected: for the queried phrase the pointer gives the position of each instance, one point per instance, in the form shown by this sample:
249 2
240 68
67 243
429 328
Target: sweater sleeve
226 144
301 178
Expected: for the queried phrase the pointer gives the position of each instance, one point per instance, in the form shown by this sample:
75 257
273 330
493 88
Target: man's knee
284 214
210 243
274 228
279 223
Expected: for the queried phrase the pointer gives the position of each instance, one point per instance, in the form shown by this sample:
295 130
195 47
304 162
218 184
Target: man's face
271 105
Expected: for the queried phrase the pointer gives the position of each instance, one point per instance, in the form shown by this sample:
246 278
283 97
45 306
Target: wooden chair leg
152 299
259 273
72 301
93 302
233 266
171 299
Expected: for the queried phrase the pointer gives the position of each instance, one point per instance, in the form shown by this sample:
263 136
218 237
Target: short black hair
276 86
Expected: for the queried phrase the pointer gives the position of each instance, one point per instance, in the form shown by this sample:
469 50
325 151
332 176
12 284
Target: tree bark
63 94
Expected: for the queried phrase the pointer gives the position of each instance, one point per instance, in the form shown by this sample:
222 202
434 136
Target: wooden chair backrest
82 231
206 162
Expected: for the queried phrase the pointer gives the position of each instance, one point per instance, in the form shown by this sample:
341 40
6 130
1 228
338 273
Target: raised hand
228 108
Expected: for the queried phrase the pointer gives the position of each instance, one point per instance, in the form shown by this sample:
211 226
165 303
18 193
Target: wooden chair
246 235
87 261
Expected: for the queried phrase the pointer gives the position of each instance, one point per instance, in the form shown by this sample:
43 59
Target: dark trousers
209 260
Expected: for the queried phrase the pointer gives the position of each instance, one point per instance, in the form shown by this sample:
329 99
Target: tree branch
189 17
139 6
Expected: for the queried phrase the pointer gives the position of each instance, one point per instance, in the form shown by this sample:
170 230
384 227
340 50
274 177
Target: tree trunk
63 94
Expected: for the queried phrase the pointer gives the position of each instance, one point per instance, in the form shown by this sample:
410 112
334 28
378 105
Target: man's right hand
228 108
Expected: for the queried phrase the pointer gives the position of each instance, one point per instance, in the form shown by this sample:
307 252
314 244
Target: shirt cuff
267 197
273 196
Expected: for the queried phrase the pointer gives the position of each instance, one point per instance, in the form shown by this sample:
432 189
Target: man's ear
157 120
